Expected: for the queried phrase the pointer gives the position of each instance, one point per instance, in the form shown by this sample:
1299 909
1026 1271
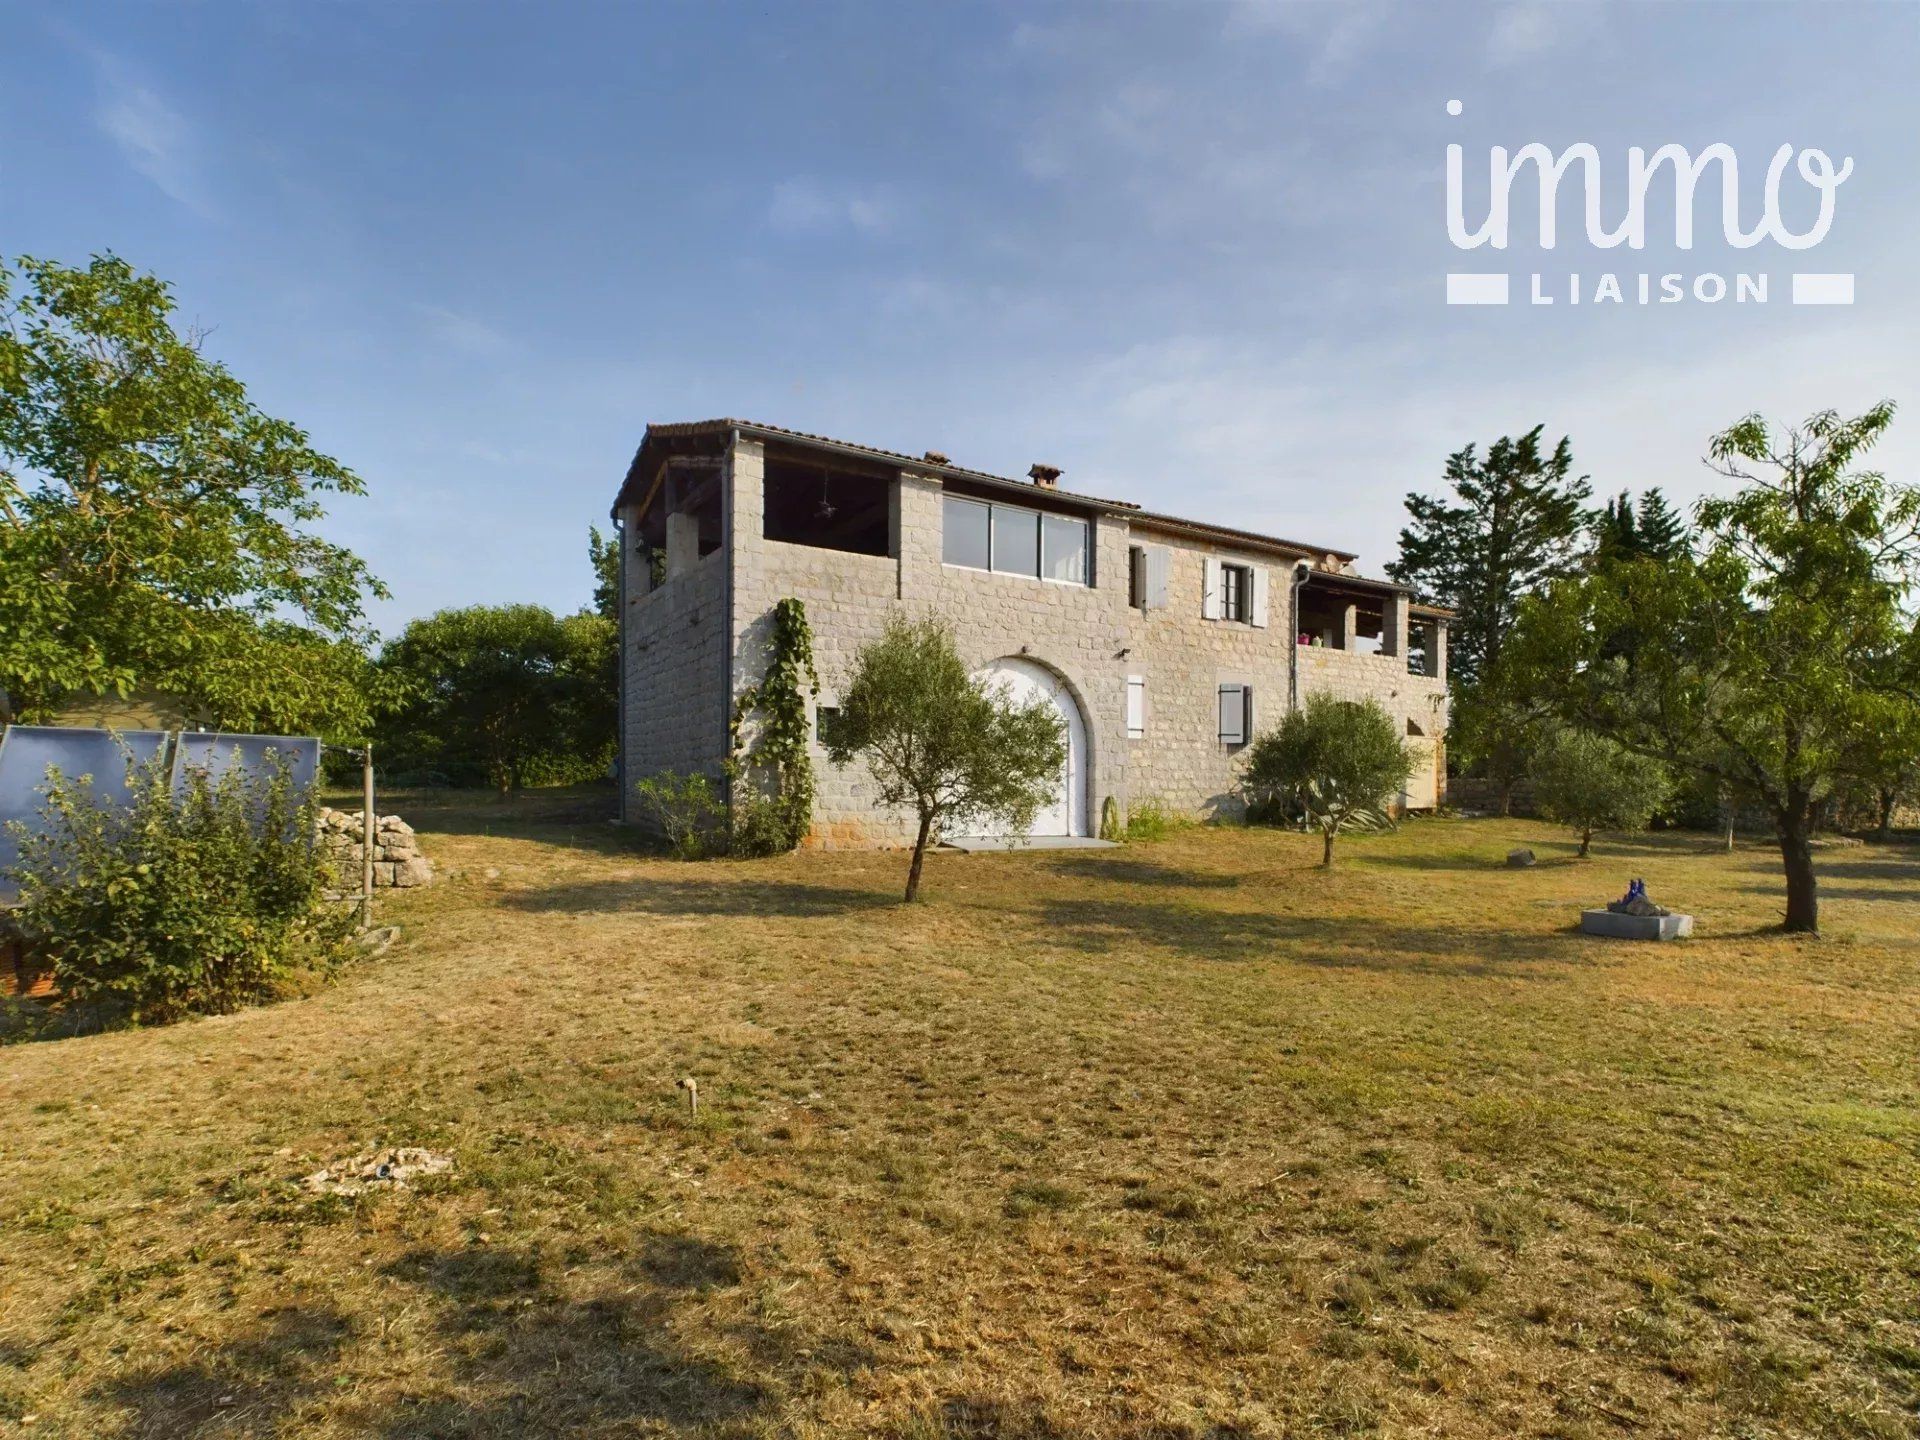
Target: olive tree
1337 762
1589 783
940 741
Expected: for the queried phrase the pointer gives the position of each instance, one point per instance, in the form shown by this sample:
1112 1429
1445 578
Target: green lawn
1188 1139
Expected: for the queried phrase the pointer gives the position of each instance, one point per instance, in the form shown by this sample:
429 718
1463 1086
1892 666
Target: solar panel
214 753
26 752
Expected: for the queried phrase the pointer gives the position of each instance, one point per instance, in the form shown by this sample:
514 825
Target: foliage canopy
1762 664
155 526
941 741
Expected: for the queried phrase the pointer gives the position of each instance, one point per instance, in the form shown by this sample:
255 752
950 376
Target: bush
1589 783
689 811
1338 762
171 907
1150 818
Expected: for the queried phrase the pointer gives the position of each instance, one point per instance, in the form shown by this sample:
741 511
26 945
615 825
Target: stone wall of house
714 622
674 709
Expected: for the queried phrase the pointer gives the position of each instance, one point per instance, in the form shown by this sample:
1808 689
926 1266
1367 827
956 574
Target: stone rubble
397 861
379 1169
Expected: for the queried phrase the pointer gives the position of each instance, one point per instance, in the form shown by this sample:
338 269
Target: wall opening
833 509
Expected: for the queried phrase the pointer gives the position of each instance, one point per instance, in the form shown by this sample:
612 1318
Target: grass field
1188 1139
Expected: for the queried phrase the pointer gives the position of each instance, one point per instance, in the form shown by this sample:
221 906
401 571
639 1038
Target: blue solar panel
213 754
26 752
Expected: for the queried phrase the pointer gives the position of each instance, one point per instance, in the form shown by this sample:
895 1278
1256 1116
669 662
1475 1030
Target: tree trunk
1794 823
1326 848
919 854
1506 797
1885 833
1586 843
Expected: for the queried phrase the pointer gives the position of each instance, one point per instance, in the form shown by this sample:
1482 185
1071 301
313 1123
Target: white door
1023 681
1423 791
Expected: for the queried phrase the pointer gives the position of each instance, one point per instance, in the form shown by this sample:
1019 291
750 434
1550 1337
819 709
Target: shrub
1150 818
689 810
1338 762
176 906
1589 783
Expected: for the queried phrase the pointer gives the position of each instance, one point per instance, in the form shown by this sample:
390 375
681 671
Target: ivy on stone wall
773 778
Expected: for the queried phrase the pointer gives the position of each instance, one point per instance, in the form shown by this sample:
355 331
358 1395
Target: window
1236 714
1136 707
1012 540
1016 541
965 533
1236 590
1063 549
825 717
1137 577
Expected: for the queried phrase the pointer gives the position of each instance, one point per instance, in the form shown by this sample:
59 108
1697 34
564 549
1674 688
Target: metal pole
366 837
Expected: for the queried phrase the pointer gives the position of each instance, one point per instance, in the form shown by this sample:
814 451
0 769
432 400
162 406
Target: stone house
1166 644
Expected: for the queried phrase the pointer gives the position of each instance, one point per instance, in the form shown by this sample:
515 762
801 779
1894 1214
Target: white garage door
1023 681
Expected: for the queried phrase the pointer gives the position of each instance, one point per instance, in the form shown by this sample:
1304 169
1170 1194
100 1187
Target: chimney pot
1045 476
934 457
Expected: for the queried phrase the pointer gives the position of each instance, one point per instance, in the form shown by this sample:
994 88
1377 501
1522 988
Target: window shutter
1158 558
1210 590
1233 714
1257 613
1136 706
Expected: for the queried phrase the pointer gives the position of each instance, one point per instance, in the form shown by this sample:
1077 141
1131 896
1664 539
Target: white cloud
458 331
806 206
1530 29
155 138
1331 39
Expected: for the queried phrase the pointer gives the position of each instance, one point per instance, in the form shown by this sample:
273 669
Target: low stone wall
397 861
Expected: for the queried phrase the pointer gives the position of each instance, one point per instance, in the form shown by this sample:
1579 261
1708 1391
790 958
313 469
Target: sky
1193 253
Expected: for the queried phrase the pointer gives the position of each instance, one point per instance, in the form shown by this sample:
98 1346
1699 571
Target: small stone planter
1617 926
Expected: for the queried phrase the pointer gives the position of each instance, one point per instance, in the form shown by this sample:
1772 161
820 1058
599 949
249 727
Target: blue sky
1193 253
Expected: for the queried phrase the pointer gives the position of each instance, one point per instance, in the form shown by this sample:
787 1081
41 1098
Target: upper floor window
1015 541
966 534
1236 592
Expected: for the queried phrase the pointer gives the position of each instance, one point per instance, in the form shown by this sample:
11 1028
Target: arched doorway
1024 680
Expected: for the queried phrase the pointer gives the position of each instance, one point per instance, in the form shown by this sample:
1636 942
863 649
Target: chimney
1045 476
934 457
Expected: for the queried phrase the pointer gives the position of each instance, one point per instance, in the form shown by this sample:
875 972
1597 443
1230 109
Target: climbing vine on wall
773 778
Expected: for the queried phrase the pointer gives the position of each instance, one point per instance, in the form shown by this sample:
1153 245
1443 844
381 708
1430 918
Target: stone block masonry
698 639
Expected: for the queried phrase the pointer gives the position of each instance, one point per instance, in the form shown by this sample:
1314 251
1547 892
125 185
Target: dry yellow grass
1179 1140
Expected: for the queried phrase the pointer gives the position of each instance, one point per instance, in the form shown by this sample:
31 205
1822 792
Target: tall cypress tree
1514 521
1660 531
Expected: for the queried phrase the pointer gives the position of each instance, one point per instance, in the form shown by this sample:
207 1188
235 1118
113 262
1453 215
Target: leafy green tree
155 527
511 692
603 553
940 740
1590 783
1760 663
1338 762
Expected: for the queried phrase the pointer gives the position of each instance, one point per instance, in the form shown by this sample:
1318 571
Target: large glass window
1063 548
1013 540
1016 541
964 533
